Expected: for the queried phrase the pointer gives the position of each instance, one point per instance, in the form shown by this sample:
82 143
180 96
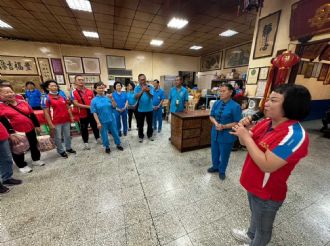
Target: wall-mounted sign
45 70
18 65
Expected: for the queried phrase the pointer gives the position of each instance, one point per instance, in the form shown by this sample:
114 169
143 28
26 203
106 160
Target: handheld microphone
257 116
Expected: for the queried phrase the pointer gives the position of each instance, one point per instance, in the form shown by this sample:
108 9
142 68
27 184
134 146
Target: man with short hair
144 96
158 100
82 98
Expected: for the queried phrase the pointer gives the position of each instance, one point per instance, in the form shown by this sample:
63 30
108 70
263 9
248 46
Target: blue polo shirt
225 113
101 105
158 96
120 99
131 98
33 97
145 103
181 95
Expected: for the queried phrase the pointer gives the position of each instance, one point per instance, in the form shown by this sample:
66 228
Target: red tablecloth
42 120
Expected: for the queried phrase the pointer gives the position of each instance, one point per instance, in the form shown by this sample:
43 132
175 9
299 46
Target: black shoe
71 151
107 150
169 139
12 182
64 154
119 134
125 134
129 129
3 189
212 170
222 176
120 147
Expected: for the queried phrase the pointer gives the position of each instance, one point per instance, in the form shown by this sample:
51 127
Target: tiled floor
151 194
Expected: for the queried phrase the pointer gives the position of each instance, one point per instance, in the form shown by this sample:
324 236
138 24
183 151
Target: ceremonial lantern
284 62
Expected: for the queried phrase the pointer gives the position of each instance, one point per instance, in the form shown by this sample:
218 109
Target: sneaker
212 170
98 141
222 176
71 151
12 182
120 147
169 139
38 163
25 169
125 134
140 140
159 131
86 146
64 155
3 189
241 236
151 138
107 150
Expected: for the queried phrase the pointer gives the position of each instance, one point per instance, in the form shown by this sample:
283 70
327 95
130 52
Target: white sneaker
38 163
86 146
25 169
98 141
241 236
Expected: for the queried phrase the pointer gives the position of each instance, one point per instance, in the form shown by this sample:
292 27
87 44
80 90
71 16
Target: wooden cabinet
191 130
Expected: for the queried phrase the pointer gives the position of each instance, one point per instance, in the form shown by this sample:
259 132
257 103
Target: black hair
78 75
5 83
30 83
100 83
46 84
156 80
239 83
116 83
229 87
179 76
141 74
132 84
297 100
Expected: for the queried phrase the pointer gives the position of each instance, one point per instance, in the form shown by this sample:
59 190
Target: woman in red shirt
275 146
61 118
20 118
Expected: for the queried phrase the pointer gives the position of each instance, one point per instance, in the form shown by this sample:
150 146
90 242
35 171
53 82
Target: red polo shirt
59 105
87 95
288 141
19 122
3 133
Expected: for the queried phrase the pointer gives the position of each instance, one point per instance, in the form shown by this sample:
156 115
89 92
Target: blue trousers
6 161
220 155
106 128
263 214
157 117
121 118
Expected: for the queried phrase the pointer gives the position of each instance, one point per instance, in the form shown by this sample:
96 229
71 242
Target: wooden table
191 130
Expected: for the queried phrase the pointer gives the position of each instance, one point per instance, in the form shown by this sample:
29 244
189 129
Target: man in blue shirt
158 108
144 95
33 95
102 109
178 97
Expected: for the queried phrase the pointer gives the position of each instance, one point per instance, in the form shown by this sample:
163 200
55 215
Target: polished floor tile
150 194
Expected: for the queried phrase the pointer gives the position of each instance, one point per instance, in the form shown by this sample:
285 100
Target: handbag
45 143
21 146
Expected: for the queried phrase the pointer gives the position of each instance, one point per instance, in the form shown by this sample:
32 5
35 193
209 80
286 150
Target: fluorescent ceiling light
4 25
177 23
228 33
91 34
82 5
195 47
156 42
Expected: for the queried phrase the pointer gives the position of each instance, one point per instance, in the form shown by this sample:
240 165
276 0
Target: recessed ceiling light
4 25
156 42
91 34
228 33
195 47
82 5
177 23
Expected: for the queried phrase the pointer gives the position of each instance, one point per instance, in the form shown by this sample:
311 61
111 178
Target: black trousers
130 116
84 122
140 120
35 153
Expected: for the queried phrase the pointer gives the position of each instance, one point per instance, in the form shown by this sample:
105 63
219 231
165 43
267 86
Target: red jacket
84 96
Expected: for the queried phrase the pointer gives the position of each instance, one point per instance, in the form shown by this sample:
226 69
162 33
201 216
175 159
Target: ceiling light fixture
91 34
196 47
4 25
177 23
156 42
82 5
228 33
